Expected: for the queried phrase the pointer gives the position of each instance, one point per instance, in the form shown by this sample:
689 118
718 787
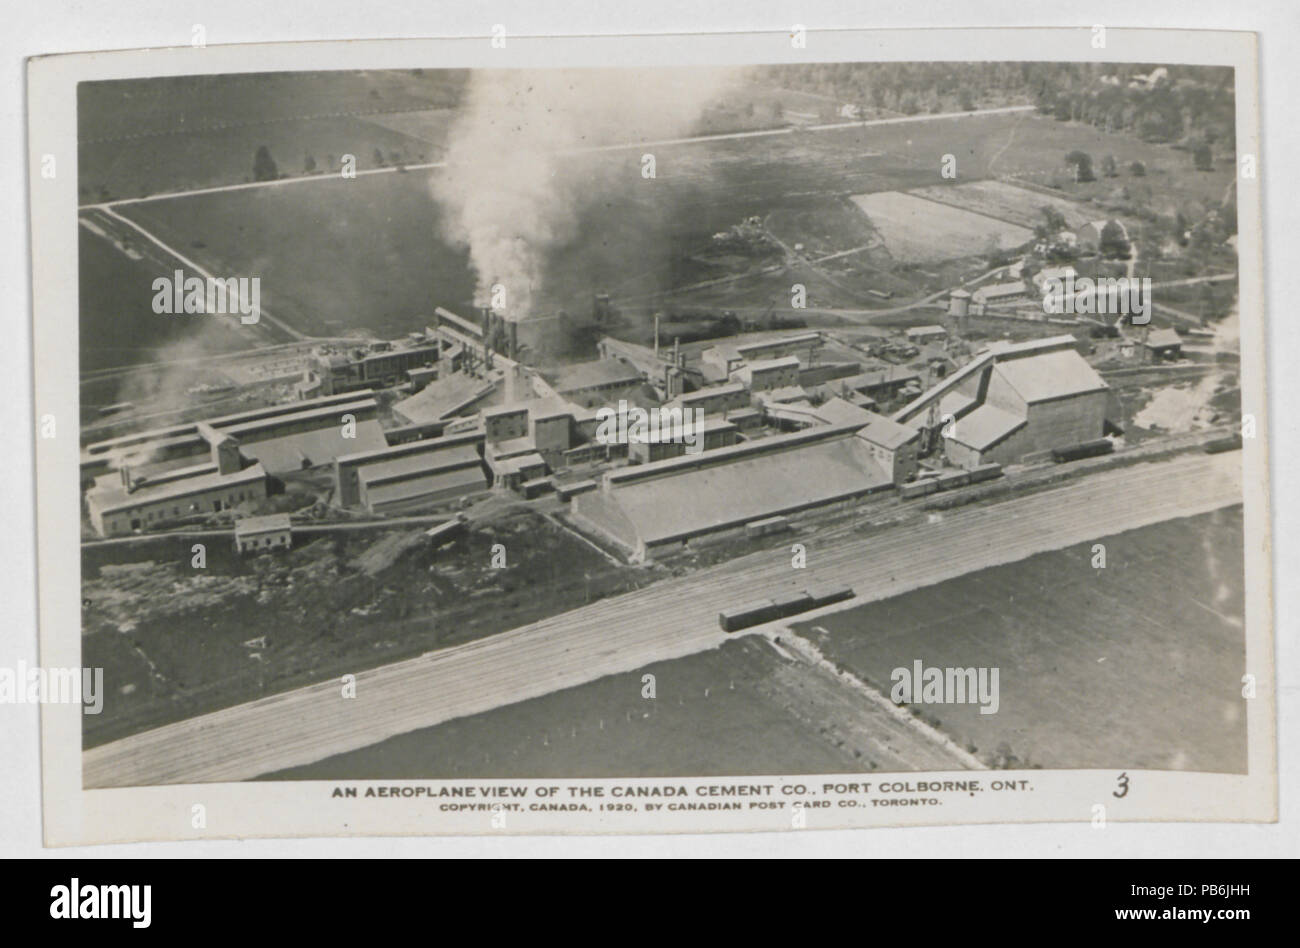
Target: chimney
125 472
677 351
656 335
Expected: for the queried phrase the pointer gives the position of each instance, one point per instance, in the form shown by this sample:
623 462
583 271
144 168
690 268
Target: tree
1113 242
264 168
1137 169
1081 163
1203 158
1108 166
309 164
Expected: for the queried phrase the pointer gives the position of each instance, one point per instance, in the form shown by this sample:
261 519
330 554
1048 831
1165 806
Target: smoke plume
512 191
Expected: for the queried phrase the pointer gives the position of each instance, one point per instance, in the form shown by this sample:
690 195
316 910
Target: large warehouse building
656 506
1013 400
287 437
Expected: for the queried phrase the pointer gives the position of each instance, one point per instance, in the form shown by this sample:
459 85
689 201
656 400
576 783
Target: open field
117 323
138 137
370 254
1137 665
336 603
916 230
739 709
1007 202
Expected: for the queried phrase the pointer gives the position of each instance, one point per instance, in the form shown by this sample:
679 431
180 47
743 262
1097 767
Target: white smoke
511 190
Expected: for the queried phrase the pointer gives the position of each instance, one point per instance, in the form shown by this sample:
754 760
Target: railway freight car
985 472
1219 445
768 610
918 488
1084 449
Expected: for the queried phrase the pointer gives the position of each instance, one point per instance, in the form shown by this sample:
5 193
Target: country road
667 620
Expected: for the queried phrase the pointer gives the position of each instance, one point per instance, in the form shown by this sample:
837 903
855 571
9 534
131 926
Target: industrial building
333 369
284 438
144 495
263 534
768 374
656 506
920 335
404 475
714 433
1162 345
1010 401
592 383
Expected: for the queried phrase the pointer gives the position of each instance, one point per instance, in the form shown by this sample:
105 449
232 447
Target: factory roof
109 495
999 291
512 447
955 403
270 413
420 446
416 489
517 463
704 394
444 397
595 374
931 330
985 427
293 452
802 339
784 393
886 432
1049 375
838 411
413 465
1000 352
765 365
885 375
747 485
269 523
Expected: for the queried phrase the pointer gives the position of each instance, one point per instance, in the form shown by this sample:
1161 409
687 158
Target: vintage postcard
651 434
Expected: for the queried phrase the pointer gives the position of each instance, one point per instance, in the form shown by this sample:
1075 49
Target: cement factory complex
473 420
791 412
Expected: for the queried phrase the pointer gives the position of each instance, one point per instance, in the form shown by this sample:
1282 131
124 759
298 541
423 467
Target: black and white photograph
651 445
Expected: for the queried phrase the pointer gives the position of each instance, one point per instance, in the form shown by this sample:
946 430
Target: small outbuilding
263 534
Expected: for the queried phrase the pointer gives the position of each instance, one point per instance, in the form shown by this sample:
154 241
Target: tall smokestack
656 335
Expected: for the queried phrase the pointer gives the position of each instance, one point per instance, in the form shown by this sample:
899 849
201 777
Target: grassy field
175 641
1008 202
916 230
1137 665
338 255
